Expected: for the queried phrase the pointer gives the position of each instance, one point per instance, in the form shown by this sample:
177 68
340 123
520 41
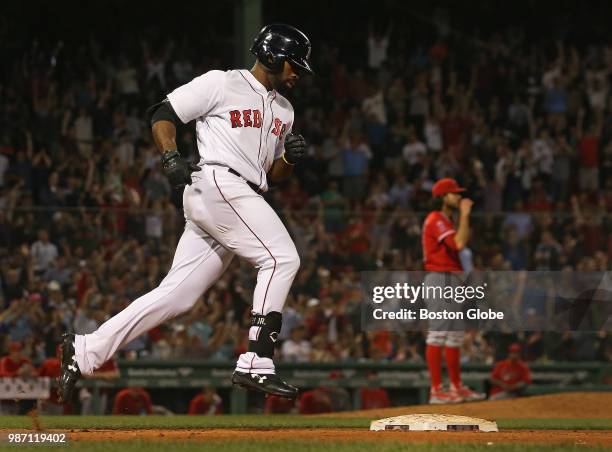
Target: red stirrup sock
453 366
433 354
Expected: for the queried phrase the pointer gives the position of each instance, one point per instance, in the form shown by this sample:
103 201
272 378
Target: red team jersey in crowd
10 368
314 402
199 405
440 252
278 405
510 372
372 398
51 367
132 401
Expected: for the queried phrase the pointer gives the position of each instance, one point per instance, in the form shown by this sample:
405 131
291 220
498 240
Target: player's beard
280 85
454 205
283 87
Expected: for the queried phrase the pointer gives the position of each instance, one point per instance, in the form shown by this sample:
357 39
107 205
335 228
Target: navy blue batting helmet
277 43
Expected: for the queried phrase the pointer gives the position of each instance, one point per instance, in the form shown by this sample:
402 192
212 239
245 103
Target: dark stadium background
111 258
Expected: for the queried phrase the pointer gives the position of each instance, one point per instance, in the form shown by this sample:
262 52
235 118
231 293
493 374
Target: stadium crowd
88 221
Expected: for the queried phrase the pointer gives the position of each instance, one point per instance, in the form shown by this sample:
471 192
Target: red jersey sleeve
441 229
449 241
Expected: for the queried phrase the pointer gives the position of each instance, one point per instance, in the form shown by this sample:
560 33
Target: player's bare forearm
280 171
463 232
164 134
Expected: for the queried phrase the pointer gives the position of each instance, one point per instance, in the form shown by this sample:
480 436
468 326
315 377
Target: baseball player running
243 128
441 246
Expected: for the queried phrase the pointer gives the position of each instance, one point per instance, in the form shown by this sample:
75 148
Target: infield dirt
574 405
586 438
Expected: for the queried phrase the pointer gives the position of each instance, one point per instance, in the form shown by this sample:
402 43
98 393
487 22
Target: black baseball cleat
70 372
266 383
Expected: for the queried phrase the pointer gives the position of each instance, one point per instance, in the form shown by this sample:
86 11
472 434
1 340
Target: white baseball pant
224 217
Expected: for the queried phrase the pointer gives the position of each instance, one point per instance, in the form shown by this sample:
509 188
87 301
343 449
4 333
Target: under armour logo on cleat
72 367
260 378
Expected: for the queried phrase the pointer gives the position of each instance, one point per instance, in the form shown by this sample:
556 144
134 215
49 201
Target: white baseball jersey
239 123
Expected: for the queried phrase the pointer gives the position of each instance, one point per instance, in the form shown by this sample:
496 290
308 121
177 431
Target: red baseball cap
444 186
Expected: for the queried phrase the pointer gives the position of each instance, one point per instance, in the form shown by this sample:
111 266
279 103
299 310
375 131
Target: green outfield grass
262 422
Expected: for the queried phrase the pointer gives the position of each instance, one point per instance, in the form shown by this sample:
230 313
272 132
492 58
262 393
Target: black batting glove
295 148
178 170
